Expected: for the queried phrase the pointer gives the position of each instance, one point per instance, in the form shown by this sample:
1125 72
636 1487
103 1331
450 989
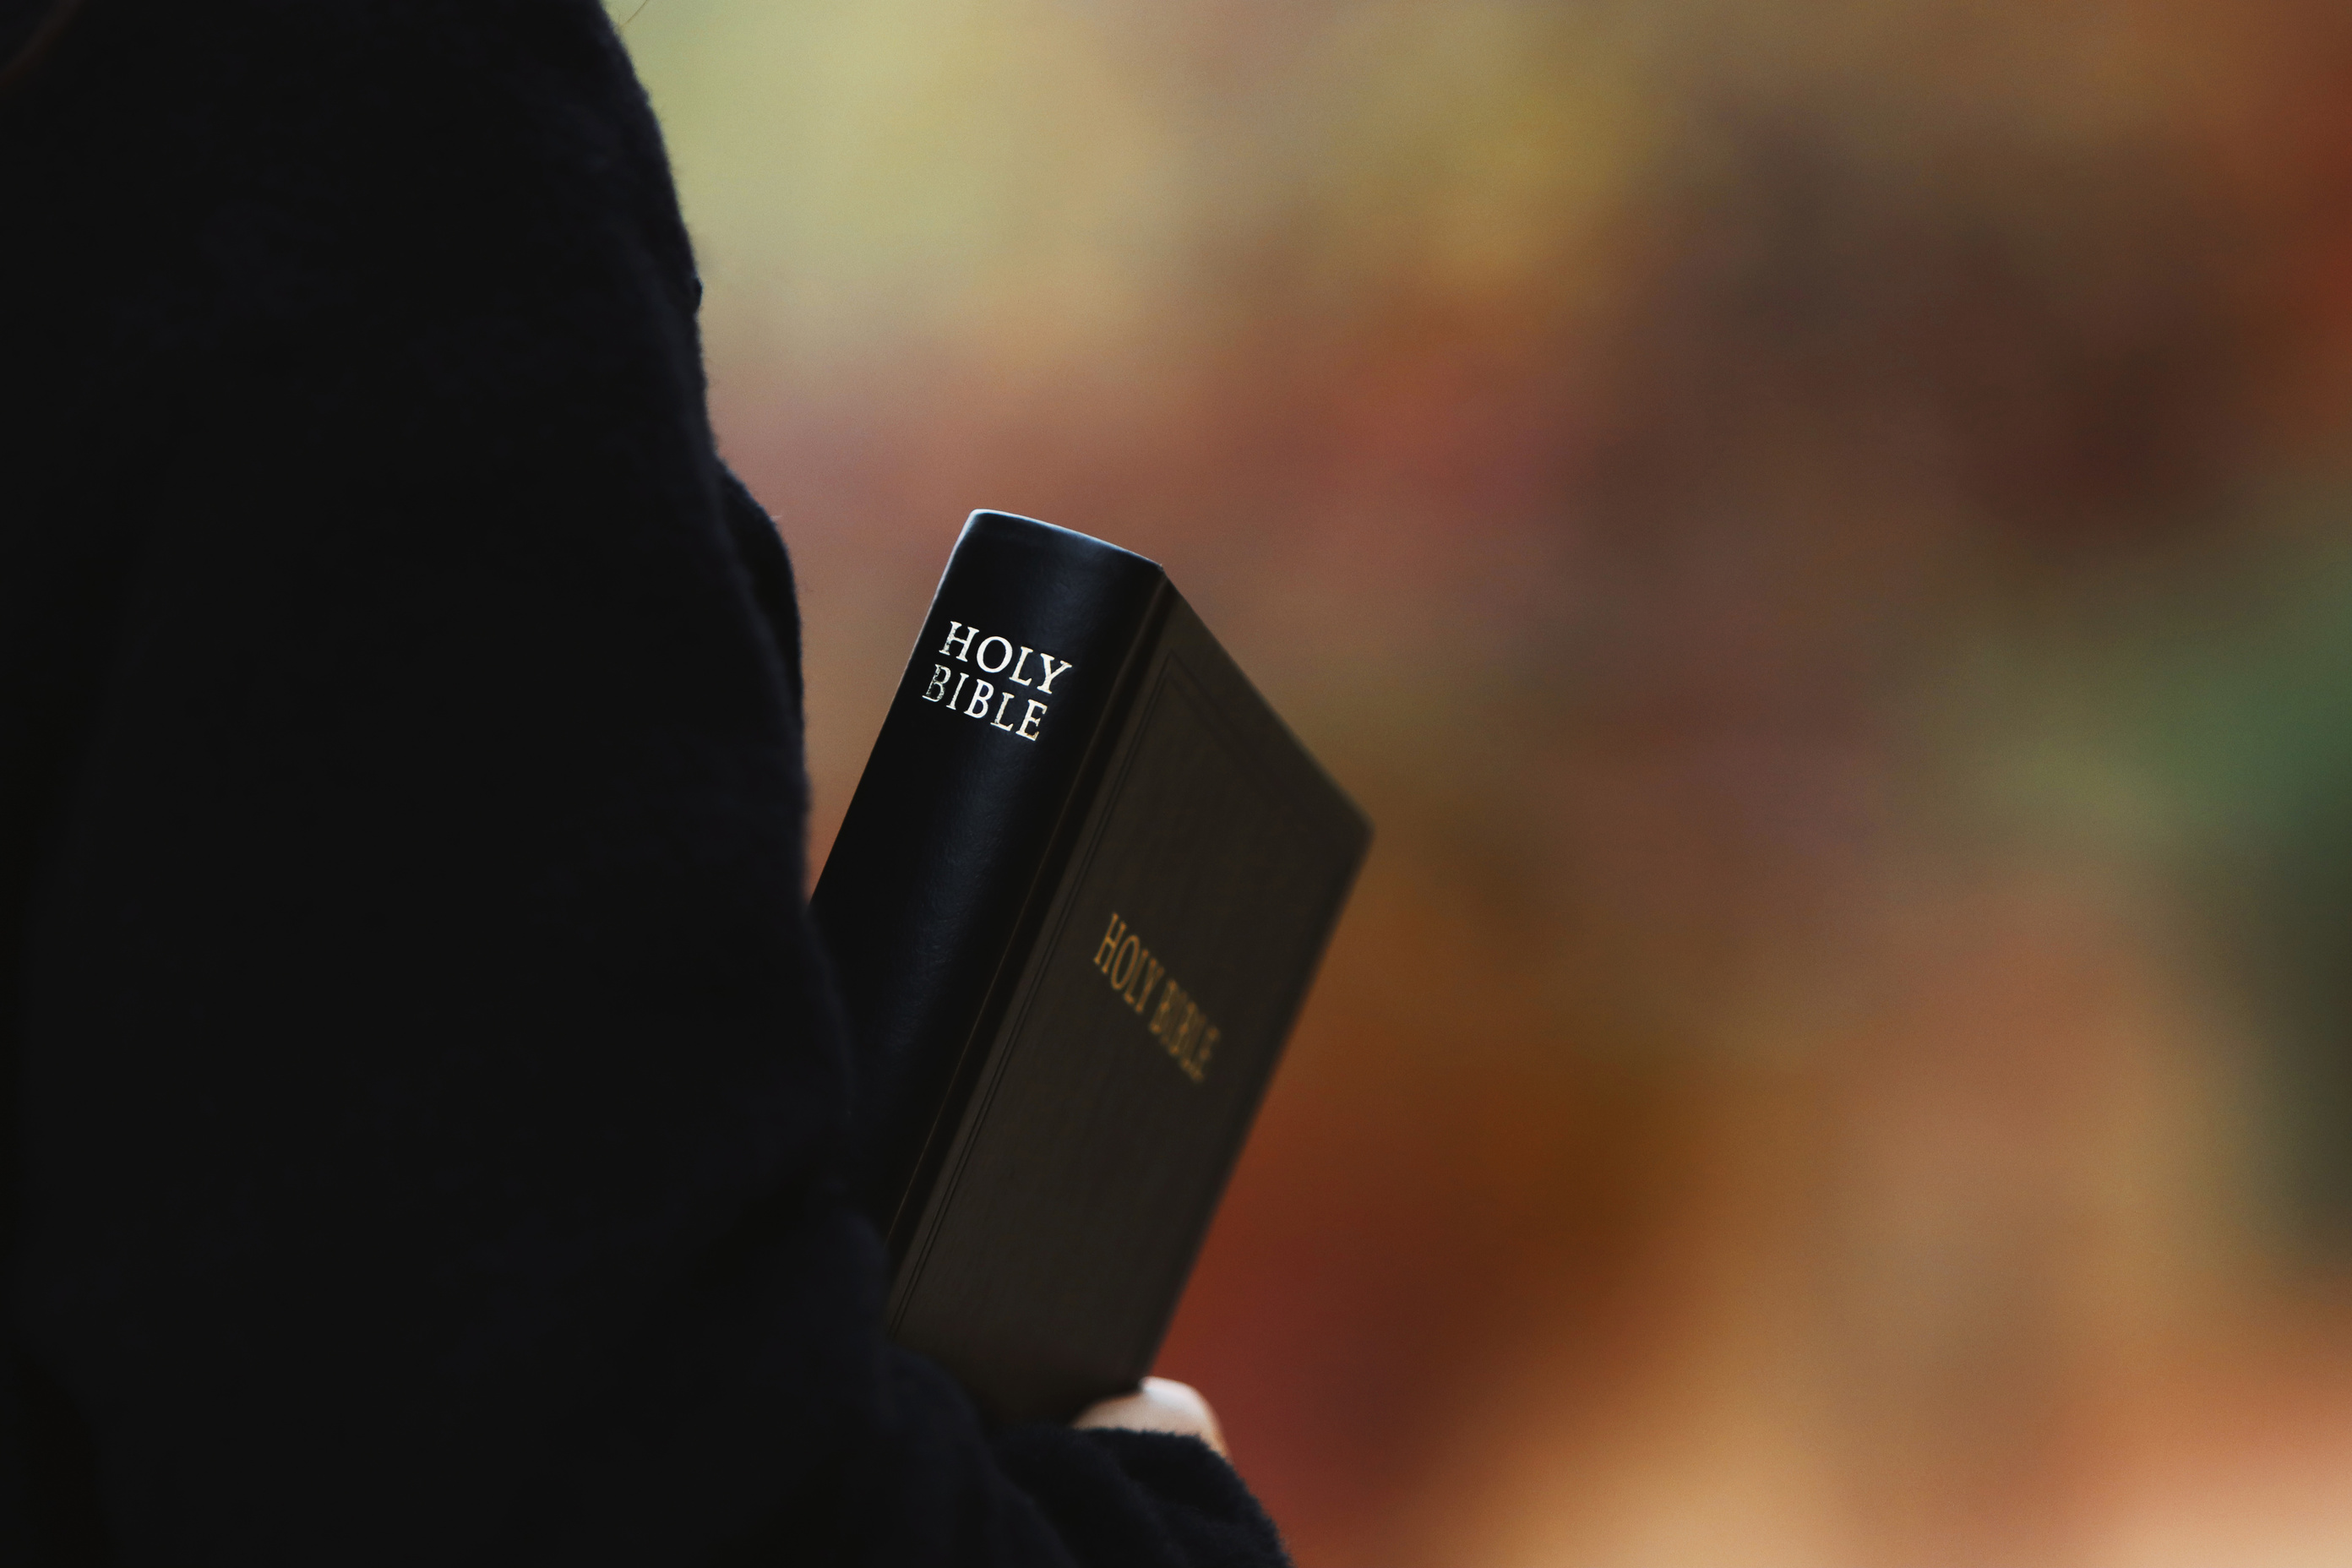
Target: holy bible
1074 907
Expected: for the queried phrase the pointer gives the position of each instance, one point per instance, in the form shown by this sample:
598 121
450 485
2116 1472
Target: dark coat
426 1090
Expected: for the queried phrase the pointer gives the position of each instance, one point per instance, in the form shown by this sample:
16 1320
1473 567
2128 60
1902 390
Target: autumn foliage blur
1820 531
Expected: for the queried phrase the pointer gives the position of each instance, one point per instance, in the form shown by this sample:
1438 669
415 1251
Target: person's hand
1161 1405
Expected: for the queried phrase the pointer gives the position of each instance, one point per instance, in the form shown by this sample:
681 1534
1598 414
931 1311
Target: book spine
937 880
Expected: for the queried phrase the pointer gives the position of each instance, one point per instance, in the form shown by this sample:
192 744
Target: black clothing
427 1091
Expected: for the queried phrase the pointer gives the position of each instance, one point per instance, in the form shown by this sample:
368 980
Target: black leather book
1074 906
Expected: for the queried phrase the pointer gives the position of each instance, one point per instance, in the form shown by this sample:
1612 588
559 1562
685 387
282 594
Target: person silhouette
426 1104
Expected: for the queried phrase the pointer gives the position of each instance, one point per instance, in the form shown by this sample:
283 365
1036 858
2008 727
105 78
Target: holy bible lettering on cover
1074 906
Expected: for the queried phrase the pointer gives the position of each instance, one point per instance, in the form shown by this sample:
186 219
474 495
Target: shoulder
345 183
410 132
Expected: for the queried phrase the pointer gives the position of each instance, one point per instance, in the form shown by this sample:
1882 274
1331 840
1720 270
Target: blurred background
1820 531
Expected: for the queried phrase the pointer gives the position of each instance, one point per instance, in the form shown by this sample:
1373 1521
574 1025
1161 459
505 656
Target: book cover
1074 906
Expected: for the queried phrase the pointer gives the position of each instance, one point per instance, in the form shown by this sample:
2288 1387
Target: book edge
974 1055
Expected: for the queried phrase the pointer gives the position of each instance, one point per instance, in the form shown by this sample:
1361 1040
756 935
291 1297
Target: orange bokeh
1821 534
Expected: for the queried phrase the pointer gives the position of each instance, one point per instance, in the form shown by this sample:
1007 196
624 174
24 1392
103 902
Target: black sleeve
430 1091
